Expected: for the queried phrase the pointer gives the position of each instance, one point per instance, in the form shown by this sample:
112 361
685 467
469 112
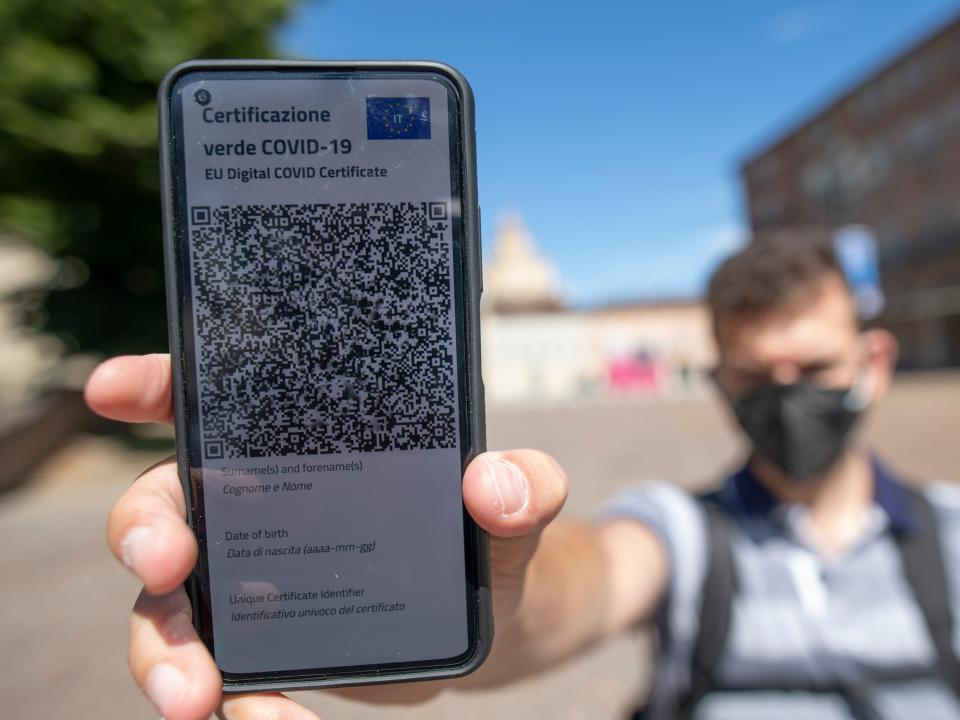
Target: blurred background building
884 154
538 349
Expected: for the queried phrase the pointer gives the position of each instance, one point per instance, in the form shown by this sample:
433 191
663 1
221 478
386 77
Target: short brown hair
772 273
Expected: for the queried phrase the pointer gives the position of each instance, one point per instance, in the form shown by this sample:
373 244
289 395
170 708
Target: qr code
323 328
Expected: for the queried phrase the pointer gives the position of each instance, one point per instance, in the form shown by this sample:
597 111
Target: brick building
885 154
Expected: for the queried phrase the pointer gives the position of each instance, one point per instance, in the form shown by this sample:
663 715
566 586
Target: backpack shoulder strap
719 588
925 571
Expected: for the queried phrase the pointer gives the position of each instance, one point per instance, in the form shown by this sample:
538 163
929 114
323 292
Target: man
811 612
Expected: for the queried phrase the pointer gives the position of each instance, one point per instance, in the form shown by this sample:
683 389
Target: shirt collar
747 498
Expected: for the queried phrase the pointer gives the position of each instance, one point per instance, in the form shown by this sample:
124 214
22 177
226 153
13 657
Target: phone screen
318 225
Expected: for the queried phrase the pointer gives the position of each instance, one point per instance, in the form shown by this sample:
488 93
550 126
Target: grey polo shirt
799 618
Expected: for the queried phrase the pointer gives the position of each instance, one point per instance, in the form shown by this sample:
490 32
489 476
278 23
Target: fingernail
234 708
509 484
134 545
166 686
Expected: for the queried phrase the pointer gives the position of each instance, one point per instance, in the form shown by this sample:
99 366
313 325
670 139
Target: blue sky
616 128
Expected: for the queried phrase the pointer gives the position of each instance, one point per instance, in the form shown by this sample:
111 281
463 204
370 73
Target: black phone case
479 565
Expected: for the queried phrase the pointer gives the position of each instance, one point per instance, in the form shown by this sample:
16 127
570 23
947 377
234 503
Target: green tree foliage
78 155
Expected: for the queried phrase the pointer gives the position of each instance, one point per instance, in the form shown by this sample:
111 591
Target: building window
868 102
914 74
767 210
818 134
765 170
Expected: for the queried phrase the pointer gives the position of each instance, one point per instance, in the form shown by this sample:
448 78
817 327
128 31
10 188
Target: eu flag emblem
398 118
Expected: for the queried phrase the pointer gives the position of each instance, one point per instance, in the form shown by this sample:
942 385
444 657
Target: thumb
513 495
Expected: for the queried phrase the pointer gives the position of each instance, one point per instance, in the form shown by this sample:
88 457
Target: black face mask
801 428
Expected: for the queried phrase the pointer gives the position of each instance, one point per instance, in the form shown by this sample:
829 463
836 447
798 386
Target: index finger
132 388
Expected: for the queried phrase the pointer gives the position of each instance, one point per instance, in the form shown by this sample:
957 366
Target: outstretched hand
512 495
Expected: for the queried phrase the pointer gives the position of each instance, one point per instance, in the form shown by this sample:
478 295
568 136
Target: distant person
684 376
830 586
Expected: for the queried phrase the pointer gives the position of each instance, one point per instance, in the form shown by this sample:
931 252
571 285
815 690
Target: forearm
562 608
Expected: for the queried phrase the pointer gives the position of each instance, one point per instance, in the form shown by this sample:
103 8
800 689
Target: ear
881 351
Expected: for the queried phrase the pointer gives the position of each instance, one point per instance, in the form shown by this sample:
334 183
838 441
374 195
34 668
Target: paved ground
63 634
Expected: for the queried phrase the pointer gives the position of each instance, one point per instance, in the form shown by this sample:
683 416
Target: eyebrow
823 361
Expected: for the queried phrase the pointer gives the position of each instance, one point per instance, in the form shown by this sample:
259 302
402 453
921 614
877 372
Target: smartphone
321 234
